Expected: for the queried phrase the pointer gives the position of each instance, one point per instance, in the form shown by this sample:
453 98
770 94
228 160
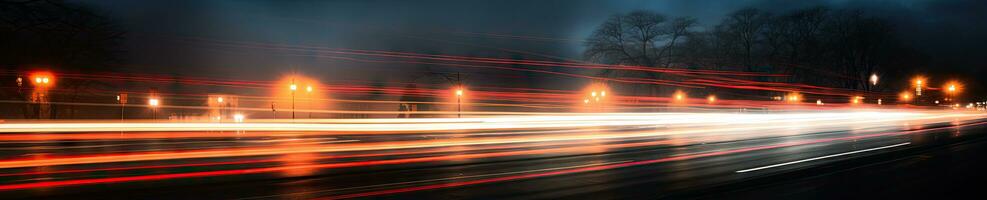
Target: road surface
598 156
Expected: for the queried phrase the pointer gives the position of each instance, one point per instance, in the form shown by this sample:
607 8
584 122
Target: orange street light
153 102
919 83
679 95
308 88
459 102
711 99
293 87
793 97
905 96
952 88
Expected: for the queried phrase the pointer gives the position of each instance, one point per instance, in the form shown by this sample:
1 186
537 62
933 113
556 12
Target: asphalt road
806 162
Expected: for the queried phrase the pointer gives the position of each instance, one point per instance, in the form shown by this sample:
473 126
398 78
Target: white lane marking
822 157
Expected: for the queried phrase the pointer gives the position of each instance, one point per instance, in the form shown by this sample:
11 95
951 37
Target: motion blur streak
682 125
465 139
588 169
514 122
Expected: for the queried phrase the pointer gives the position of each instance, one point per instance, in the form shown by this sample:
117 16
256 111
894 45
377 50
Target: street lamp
122 99
873 79
711 99
905 97
919 82
308 97
153 102
238 118
951 89
42 81
293 87
459 102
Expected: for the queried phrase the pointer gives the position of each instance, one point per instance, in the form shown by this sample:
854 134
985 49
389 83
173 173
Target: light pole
222 108
951 92
42 81
153 102
293 87
918 86
122 99
459 102
308 93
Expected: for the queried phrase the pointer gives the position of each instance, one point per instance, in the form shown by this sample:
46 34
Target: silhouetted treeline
817 45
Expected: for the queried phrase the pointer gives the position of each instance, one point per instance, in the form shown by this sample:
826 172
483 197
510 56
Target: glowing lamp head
592 94
293 87
219 99
308 88
153 102
238 117
873 79
603 93
711 98
459 92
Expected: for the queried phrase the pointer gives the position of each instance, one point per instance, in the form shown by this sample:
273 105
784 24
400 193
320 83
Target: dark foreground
935 160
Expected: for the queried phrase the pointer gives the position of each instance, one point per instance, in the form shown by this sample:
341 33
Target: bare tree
678 28
745 27
629 39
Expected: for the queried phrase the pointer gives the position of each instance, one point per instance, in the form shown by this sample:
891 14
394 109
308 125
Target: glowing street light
793 97
293 87
819 102
308 93
153 102
459 102
238 118
952 88
919 83
219 99
905 97
711 99
856 99
679 96
873 79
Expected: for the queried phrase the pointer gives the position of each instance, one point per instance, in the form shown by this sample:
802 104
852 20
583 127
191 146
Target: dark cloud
950 31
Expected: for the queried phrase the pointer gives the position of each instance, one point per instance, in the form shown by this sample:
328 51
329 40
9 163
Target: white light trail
820 158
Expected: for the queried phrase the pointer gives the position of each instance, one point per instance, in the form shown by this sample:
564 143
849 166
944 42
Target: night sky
174 36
